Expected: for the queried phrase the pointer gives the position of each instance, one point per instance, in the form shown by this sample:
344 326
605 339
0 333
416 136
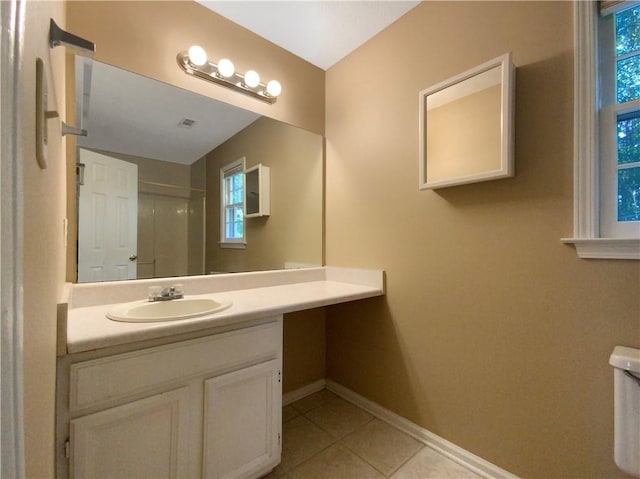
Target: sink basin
146 312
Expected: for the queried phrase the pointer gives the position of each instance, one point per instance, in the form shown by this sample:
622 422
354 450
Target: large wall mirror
466 126
148 196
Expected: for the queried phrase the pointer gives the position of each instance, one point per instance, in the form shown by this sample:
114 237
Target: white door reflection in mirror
107 219
466 127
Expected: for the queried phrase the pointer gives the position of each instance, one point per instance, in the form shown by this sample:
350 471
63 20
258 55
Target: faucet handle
178 289
154 292
158 293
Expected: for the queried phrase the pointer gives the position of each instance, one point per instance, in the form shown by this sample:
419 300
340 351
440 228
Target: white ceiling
321 32
138 116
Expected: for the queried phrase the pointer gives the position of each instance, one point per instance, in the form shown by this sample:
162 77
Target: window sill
233 245
606 248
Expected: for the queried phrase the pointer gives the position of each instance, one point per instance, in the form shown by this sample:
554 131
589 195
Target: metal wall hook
72 130
57 37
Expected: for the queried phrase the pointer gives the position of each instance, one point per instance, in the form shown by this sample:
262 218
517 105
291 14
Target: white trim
585 118
608 8
233 245
586 227
606 248
444 447
304 391
11 243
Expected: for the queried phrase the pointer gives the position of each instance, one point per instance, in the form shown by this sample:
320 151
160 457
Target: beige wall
293 232
44 251
493 334
304 356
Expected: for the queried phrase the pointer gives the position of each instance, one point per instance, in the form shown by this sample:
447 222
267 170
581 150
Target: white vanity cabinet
144 438
242 422
204 407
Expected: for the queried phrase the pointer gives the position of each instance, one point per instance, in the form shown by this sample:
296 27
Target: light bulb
251 79
226 68
197 55
274 88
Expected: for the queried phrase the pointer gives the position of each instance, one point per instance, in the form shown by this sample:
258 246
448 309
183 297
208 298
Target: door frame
12 14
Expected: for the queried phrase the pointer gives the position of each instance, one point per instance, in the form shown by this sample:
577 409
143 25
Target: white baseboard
304 391
455 453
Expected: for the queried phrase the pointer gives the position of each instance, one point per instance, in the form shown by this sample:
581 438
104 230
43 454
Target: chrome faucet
156 293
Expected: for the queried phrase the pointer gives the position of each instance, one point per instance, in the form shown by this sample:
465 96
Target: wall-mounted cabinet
466 126
257 191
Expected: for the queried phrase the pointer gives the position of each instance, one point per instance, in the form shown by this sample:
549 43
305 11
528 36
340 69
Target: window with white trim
607 130
619 98
232 205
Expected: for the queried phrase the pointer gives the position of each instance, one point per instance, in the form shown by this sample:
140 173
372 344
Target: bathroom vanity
209 404
197 397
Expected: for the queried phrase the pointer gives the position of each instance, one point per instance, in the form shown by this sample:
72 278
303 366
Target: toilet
626 377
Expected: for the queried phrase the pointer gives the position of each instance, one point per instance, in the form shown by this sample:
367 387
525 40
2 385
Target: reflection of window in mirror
232 205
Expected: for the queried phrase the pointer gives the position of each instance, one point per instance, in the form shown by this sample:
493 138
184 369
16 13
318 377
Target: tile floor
326 437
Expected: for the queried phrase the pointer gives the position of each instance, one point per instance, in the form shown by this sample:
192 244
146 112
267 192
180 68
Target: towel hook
57 36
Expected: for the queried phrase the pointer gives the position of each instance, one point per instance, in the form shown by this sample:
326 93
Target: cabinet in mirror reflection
178 141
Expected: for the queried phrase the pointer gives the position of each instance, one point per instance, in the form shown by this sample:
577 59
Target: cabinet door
141 439
242 422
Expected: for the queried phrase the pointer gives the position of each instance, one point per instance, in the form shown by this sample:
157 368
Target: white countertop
277 292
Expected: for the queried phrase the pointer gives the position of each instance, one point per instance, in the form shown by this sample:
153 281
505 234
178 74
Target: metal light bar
236 81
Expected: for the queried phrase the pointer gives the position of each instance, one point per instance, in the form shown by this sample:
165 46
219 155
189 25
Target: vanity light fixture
195 62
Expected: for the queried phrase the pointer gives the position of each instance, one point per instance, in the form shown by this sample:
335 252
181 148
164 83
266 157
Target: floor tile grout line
339 441
284 421
335 396
329 433
478 471
311 457
330 436
422 446
336 441
395 469
359 456
341 437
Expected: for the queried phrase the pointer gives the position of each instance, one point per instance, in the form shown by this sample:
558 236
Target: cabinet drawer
107 379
